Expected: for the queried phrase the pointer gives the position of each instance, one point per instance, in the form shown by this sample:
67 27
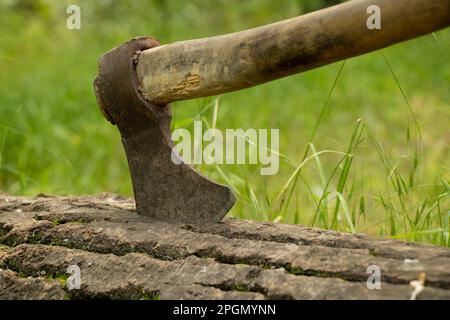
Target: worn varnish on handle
123 255
204 67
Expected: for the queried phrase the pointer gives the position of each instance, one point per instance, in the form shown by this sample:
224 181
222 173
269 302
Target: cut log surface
122 255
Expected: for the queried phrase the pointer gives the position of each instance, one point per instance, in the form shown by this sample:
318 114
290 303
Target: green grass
363 143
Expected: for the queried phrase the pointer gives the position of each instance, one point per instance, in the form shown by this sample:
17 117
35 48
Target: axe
137 81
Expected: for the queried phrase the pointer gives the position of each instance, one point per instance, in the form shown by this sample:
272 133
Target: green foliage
364 143
152 295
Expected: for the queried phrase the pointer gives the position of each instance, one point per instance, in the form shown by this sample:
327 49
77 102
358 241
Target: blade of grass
355 138
346 211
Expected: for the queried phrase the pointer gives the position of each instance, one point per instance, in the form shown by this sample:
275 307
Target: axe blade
163 189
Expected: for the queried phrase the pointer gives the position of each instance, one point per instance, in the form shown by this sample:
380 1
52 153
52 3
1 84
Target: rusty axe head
162 188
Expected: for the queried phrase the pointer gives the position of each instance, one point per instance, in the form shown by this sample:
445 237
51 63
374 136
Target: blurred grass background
378 162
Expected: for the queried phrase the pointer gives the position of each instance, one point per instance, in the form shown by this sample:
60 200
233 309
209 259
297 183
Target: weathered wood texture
126 256
209 66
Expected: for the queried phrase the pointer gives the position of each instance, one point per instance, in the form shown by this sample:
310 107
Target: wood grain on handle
209 66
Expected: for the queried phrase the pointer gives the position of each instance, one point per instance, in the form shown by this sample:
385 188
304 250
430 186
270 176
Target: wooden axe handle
209 66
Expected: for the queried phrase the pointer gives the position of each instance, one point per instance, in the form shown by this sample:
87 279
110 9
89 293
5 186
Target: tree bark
122 255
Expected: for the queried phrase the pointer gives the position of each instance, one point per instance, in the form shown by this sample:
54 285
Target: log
122 255
204 67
